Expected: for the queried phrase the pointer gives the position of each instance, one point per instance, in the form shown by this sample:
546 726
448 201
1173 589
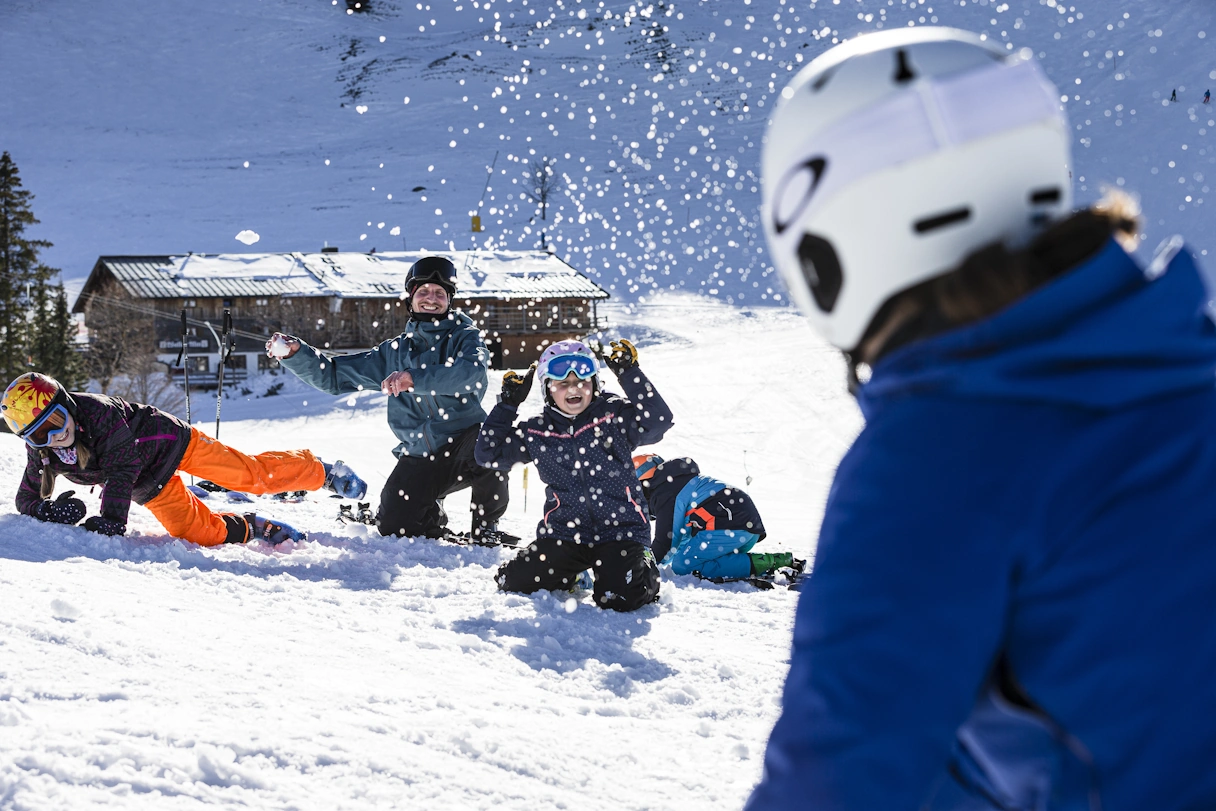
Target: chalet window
200 364
266 364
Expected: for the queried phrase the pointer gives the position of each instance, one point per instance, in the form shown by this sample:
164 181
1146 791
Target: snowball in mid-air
248 237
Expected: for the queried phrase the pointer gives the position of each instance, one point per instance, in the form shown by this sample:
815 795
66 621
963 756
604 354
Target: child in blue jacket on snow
704 526
582 444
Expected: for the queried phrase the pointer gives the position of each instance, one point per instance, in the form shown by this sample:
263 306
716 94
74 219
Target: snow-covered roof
480 275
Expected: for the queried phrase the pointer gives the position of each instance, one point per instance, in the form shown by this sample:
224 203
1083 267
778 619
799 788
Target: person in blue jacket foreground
582 443
704 526
435 376
1012 599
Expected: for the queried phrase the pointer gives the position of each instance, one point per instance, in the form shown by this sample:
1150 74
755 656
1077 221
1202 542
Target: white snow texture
356 672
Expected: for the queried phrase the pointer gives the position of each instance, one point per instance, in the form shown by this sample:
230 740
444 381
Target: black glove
515 387
63 510
624 357
106 526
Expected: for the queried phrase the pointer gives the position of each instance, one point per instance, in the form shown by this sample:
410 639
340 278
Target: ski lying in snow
787 577
490 537
361 515
205 486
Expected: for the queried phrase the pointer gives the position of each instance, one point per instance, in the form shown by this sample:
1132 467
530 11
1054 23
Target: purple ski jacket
133 450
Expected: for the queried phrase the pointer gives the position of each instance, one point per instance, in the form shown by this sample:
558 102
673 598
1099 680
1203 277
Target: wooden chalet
521 300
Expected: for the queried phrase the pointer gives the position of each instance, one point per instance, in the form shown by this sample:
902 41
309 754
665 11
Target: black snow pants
626 574
410 503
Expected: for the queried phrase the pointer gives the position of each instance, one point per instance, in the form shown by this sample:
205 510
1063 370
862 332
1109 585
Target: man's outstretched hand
281 346
397 383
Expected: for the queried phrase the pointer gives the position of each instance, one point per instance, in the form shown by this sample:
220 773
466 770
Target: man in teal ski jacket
435 376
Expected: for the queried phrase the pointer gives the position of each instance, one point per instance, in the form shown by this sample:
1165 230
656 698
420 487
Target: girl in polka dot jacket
582 443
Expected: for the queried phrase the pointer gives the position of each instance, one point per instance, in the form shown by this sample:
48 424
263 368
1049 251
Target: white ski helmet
893 156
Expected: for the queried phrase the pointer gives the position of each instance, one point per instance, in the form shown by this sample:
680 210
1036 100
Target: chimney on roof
330 249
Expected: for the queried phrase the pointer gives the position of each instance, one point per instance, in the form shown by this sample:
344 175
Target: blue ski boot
340 479
271 531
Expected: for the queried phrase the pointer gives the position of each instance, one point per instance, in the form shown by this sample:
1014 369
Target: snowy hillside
160 127
356 672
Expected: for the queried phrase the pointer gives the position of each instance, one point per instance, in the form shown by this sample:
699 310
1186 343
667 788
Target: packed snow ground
353 672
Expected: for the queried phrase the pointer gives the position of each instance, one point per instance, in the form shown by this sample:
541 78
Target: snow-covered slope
161 127
356 672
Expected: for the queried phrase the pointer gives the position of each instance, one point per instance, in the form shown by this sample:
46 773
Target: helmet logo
795 191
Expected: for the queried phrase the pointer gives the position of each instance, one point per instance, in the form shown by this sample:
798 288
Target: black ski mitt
515 387
105 526
63 510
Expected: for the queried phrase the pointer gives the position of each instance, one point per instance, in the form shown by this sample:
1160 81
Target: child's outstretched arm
500 444
651 416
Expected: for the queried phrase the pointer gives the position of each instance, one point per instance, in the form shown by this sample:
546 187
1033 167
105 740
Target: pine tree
36 329
53 334
18 269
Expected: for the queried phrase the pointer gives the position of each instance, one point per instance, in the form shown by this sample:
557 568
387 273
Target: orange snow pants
186 517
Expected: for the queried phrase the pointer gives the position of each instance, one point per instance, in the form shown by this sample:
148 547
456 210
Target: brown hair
994 277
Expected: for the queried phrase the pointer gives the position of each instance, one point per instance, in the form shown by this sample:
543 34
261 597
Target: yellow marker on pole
476 224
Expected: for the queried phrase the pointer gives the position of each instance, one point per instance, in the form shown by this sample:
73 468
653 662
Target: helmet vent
1051 195
942 220
903 73
821 269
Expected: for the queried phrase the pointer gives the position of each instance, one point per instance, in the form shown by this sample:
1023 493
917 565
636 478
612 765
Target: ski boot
340 479
271 531
764 563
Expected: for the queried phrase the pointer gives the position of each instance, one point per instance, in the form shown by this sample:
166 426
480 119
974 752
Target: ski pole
184 355
220 341
225 354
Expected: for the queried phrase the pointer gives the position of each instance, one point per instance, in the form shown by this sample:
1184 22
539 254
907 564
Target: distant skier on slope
702 525
1011 605
435 376
1207 97
135 451
595 515
1174 95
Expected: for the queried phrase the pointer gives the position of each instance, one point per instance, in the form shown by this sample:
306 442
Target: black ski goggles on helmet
431 270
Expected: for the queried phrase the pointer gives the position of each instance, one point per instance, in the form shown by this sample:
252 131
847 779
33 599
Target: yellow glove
624 357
